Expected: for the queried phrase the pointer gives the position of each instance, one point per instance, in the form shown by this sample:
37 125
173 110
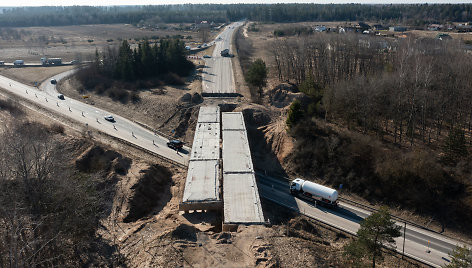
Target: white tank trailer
314 192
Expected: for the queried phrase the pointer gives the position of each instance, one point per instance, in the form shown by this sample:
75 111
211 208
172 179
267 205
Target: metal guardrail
346 231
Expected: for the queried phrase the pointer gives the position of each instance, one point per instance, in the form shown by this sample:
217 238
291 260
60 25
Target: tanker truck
314 192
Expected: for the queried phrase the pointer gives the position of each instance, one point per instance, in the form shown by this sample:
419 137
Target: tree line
408 105
412 14
410 89
144 66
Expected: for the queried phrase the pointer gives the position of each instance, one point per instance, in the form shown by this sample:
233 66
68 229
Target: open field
81 41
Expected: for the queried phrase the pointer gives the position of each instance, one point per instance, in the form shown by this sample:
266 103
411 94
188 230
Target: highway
429 247
217 77
89 117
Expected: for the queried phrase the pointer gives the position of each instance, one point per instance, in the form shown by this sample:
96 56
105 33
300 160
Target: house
398 29
435 27
379 27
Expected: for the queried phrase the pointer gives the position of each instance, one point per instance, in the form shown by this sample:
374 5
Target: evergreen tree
295 113
461 257
257 75
375 230
455 146
124 67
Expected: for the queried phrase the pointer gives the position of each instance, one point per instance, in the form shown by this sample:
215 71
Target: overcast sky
161 2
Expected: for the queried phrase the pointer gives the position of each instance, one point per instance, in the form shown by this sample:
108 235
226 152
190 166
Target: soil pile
96 159
150 193
283 95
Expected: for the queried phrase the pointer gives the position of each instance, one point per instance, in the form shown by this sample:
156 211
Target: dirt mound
301 224
278 139
150 193
256 116
282 95
185 232
97 159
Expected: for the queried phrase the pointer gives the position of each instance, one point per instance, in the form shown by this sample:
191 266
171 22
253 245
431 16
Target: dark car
175 144
60 96
109 118
53 81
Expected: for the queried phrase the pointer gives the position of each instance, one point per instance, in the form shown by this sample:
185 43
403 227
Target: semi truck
51 61
314 192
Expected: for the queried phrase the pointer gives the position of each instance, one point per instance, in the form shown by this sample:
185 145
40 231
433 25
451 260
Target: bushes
415 180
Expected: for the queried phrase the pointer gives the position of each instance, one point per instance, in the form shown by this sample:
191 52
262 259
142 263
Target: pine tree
257 75
376 230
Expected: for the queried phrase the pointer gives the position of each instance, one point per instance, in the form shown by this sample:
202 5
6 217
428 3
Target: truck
224 52
314 192
51 61
19 62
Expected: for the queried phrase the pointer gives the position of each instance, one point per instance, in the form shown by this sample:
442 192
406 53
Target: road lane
347 217
217 76
90 117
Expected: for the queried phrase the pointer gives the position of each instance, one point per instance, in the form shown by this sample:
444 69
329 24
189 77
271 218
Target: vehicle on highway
61 97
206 56
314 192
53 81
19 62
187 47
199 46
224 52
2 62
109 118
175 144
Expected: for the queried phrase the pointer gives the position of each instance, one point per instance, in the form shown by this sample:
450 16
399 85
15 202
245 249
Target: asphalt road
347 217
217 75
89 117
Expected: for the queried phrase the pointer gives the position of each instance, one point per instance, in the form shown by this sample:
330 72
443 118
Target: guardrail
346 231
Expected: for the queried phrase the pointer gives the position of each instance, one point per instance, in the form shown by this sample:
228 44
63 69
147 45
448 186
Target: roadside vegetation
404 111
376 231
49 211
146 66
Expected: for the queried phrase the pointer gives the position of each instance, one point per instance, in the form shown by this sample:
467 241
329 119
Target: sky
6 3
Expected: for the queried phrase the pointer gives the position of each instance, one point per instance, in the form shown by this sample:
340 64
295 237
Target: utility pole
404 238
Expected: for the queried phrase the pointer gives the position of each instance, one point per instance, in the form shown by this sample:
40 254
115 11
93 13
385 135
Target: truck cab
296 185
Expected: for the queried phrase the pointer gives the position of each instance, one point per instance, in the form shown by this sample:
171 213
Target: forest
410 14
404 107
142 67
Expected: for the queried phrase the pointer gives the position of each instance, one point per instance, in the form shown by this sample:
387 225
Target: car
61 97
199 46
53 81
109 118
175 144
207 56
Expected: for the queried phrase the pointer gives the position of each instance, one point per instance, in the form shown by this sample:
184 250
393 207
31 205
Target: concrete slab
206 142
209 114
202 183
233 121
241 199
236 152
